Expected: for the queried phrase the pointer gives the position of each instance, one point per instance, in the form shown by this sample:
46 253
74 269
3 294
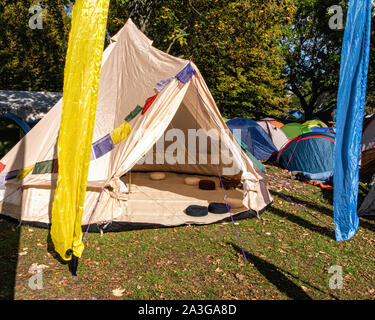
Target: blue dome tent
254 137
310 153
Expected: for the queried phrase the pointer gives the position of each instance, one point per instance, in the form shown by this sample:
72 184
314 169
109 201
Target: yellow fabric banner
121 132
80 95
24 172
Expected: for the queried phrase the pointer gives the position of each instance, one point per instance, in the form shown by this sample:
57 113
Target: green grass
289 253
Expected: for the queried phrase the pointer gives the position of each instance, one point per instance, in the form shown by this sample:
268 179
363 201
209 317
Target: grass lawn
289 253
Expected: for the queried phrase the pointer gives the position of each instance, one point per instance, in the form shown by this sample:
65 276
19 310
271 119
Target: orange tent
276 123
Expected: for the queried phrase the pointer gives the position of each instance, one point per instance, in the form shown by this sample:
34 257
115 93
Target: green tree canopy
33 58
312 51
235 44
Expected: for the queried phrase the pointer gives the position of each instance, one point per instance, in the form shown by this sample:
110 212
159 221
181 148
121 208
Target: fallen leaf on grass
118 292
240 276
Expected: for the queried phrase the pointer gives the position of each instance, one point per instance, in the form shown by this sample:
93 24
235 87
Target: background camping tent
366 119
309 153
367 207
368 135
253 135
326 129
277 135
367 161
314 123
294 129
131 69
367 164
273 121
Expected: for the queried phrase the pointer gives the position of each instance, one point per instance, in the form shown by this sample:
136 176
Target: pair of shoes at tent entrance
213 207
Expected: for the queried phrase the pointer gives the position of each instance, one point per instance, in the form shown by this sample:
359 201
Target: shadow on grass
9 245
303 200
10 232
364 224
51 250
327 232
273 275
328 196
276 276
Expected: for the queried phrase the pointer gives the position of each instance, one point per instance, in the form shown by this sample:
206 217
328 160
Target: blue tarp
254 137
350 105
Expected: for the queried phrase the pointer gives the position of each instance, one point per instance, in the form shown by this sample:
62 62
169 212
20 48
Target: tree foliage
242 59
33 59
235 43
312 51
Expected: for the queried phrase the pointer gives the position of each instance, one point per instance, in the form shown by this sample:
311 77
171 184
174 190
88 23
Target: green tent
315 123
294 129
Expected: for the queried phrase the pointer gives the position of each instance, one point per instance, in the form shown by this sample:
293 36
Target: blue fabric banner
350 106
186 73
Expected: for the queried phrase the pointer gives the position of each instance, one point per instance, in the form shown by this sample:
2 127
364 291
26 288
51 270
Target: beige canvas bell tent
143 94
